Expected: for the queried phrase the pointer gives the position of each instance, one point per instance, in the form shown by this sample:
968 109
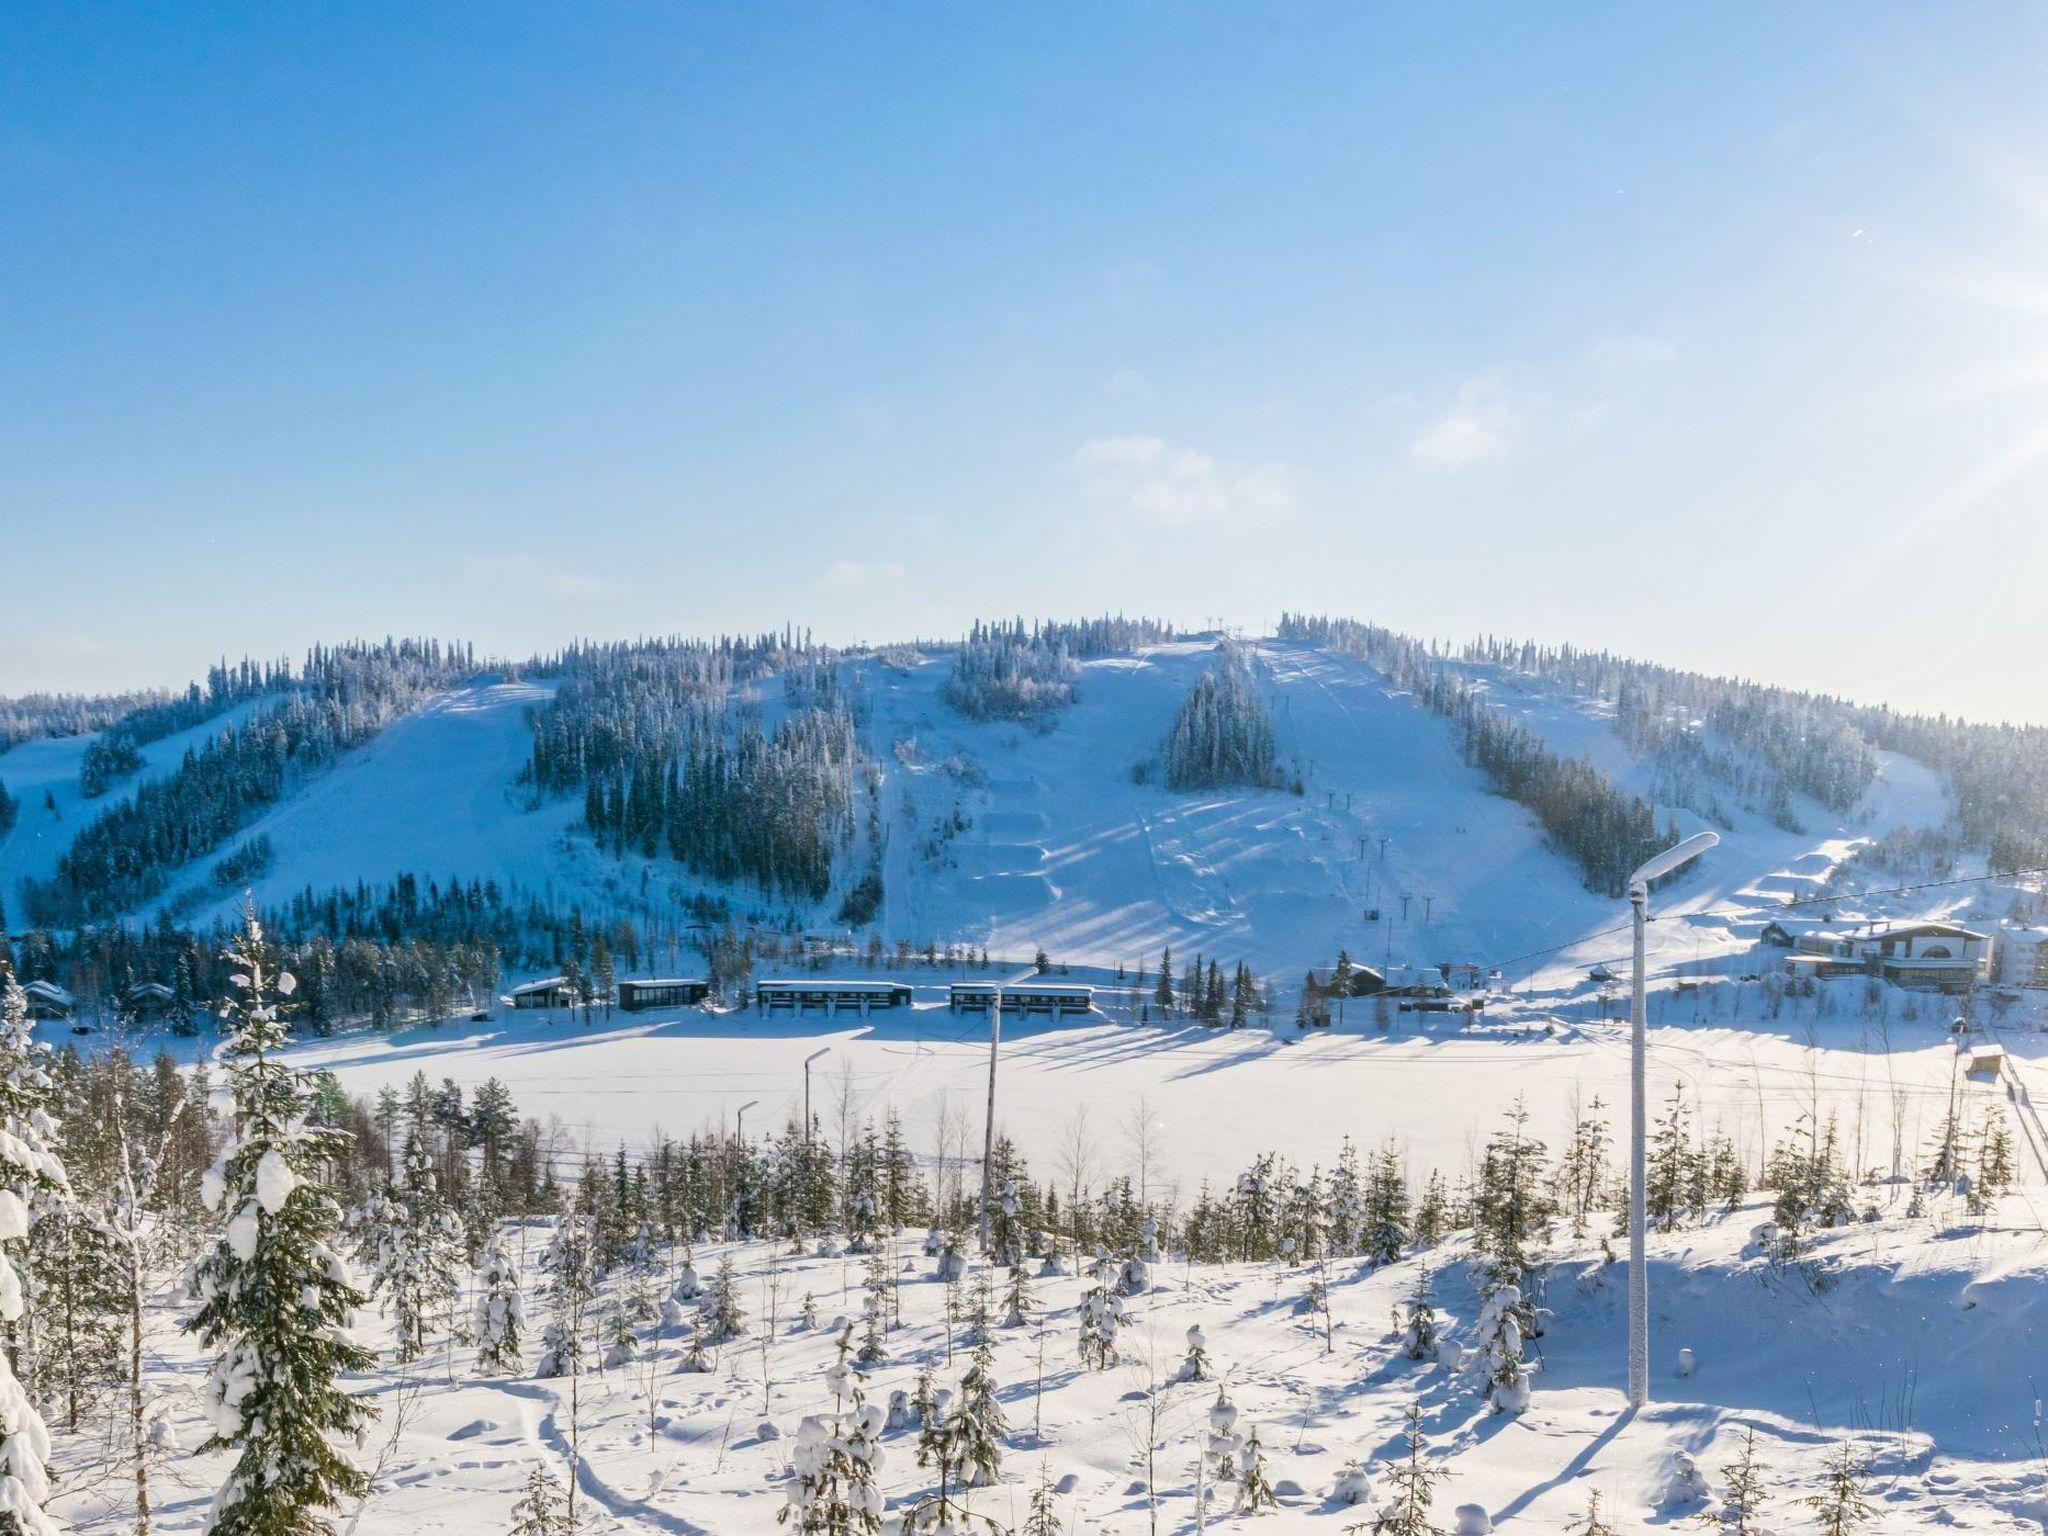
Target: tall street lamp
822 1051
1674 857
988 1132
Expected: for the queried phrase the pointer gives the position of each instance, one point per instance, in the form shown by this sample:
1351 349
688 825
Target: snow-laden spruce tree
1385 1231
1411 1490
499 1313
570 1264
1511 1212
835 1463
30 1169
723 1316
419 1248
541 1510
1500 1358
979 1424
1254 1488
1225 1442
1195 1365
1018 1302
1418 1332
1101 1313
275 1298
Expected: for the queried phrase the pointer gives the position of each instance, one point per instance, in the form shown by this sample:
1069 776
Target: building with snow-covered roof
830 996
1930 956
547 992
148 1000
47 1000
1359 981
1054 999
1785 932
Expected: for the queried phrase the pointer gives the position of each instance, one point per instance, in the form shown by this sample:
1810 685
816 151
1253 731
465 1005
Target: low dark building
662 992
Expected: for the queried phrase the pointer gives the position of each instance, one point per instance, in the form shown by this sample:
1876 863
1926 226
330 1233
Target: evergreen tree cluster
1223 734
117 752
670 765
36 716
1011 672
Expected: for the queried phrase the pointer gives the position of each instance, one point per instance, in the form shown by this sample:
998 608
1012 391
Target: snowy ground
1918 1337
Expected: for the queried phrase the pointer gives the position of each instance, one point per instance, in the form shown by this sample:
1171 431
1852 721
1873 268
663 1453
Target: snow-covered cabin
548 992
1786 932
148 1000
1985 1060
1359 981
47 1000
636 994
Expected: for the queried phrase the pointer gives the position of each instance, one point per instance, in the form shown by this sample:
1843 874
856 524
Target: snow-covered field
1215 1098
1917 1337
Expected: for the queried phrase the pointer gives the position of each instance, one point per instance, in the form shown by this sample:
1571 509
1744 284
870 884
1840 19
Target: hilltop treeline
344 696
1028 672
116 754
33 716
669 765
1606 832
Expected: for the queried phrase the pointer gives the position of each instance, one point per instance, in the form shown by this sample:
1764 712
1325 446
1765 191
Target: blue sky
522 323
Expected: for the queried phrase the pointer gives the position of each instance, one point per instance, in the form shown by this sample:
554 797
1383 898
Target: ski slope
37 772
1062 849
433 793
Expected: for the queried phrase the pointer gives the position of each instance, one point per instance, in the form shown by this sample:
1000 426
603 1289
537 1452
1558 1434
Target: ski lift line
1751 911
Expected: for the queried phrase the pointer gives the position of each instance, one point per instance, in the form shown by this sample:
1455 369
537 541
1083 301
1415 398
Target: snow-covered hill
1061 848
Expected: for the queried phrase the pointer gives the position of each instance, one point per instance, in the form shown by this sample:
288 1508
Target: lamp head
1674 857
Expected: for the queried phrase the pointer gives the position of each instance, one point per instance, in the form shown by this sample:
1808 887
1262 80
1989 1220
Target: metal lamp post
988 1130
1672 858
739 1147
822 1051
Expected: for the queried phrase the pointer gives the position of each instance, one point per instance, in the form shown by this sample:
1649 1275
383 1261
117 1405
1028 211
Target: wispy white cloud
1486 421
1161 482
